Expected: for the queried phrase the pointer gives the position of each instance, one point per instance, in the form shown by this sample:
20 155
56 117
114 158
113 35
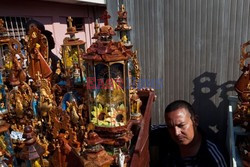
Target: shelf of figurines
238 136
81 110
51 135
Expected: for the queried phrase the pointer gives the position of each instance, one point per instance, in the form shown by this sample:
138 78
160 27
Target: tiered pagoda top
122 20
72 31
105 49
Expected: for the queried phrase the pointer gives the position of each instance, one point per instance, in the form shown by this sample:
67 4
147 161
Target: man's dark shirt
169 155
54 61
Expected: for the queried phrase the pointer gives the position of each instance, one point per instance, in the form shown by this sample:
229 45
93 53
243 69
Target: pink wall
53 16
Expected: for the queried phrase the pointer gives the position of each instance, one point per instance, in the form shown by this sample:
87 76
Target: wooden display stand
232 133
140 142
141 157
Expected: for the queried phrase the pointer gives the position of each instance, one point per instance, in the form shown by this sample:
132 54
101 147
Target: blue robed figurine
3 102
68 97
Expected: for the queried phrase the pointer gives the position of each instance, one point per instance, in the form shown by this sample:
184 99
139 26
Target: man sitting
185 145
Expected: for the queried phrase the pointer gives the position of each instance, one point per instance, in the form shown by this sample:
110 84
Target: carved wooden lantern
32 152
123 27
133 65
107 74
95 155
72 48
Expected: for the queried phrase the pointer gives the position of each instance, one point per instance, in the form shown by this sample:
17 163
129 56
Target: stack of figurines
242 87
242 114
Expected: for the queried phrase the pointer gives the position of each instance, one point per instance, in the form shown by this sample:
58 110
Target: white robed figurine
121 158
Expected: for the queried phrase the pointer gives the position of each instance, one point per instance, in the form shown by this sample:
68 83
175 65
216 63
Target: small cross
70 20
105 17
38 76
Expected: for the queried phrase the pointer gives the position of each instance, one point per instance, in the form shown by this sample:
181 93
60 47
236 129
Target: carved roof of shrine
105 49
107 52
68 41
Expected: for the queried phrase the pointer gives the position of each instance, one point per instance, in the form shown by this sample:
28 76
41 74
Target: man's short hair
180 104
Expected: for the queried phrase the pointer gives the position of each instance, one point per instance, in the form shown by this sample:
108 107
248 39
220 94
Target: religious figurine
135 103
16 102
72 110
45 101
44 143
76 74
3 96
37 51
68 97
26 94
65 140
17 74
8 62
35 104
59 76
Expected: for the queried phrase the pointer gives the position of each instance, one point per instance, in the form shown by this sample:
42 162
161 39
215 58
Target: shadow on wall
212 119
